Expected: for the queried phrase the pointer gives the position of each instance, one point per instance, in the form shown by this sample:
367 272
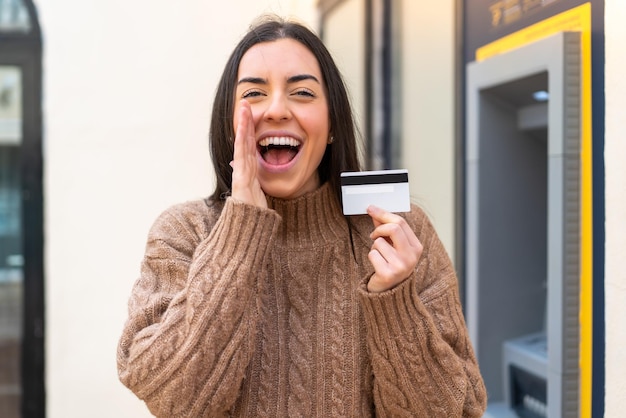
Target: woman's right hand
245 184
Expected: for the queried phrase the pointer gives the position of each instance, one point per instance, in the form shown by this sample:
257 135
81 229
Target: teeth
279 140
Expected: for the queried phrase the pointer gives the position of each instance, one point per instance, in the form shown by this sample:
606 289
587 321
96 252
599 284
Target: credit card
387 189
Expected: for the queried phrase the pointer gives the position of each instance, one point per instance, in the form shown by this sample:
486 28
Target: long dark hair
340 156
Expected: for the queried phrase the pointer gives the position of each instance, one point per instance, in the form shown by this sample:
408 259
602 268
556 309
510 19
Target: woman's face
283 83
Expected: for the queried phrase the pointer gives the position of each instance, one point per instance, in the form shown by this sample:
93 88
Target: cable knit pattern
336 339
242 311
300 345
267 363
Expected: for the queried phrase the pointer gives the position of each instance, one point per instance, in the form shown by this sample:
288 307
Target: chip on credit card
387 189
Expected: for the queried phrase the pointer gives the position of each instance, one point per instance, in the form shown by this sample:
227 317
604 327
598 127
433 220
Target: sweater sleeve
422 358
192 317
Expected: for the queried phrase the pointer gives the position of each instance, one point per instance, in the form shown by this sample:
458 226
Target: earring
331 140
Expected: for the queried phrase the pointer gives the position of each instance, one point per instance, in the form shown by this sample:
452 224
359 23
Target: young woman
264 299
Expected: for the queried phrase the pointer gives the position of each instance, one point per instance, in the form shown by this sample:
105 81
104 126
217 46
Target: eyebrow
302 77
292 79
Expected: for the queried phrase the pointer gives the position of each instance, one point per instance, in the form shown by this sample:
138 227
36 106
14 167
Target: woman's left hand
395 251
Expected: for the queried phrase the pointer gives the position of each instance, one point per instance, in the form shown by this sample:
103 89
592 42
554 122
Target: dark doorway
22 391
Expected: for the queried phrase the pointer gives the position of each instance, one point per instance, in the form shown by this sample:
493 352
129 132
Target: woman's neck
310 220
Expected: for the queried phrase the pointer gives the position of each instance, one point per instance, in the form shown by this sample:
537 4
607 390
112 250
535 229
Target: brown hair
340 156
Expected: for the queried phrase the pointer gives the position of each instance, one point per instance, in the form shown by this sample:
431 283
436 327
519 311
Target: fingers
395 251
243 171
245 144
245 183
392 226
391 262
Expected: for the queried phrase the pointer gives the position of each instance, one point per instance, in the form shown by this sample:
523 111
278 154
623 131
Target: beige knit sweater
248 312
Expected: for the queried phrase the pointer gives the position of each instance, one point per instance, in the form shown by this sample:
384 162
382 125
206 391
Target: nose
277 109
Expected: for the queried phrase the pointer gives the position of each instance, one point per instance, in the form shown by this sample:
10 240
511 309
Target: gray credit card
387 189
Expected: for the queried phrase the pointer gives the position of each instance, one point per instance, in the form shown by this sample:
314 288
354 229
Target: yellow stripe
586 244
576 19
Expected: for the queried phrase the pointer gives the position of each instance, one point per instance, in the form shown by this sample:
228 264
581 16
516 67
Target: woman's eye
250 93
304 92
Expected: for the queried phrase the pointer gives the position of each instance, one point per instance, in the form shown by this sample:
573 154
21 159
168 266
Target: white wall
128 87
615 152
428 109
344 36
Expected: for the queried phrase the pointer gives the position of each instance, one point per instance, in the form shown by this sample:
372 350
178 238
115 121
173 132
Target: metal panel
488 253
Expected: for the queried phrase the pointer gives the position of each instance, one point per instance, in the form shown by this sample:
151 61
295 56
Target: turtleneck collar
310 220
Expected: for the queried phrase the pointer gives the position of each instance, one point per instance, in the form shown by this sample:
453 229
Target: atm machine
523 138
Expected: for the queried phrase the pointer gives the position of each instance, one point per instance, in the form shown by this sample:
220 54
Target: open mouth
278 150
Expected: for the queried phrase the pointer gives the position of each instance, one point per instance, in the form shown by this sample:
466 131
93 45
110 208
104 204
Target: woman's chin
288 189
280 192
